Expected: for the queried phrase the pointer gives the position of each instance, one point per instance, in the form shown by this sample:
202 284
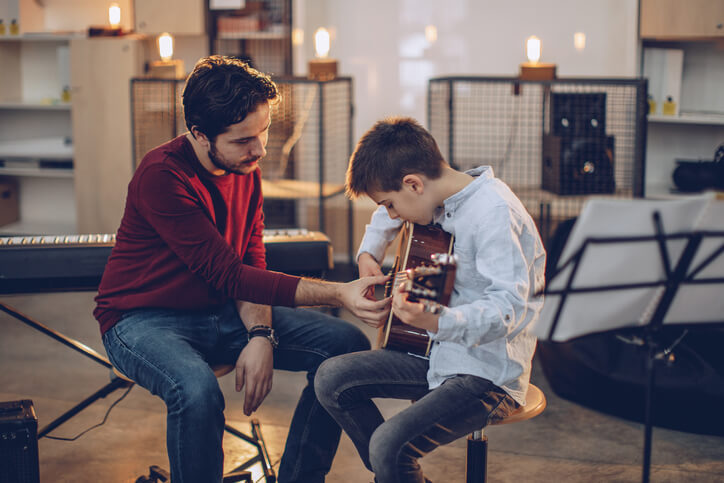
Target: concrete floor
566 443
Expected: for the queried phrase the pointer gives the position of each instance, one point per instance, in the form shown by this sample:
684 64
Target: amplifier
578 114
18 442
578 166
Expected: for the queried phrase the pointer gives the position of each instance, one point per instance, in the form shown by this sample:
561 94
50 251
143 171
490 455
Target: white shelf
34 106
41 37
41 148
704 119
36 172
253 35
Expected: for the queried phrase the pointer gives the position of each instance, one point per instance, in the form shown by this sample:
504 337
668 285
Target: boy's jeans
345 385
169 352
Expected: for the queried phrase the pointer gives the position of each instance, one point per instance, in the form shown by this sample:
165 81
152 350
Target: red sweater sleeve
255 251
171 205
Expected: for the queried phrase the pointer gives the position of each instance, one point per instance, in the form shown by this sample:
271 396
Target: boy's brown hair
390 150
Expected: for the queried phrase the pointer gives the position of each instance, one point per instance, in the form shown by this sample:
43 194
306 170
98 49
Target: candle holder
322 69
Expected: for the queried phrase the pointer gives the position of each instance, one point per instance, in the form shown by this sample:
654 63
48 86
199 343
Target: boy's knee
383 450
325 382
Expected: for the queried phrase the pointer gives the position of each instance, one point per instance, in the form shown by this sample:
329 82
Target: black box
578 114
578 166
18 442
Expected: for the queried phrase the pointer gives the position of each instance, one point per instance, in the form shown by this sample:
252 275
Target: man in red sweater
186 285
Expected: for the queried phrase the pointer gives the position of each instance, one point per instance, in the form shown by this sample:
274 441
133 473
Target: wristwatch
263 331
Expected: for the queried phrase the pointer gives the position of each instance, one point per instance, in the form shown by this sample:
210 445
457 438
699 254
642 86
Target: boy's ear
414 183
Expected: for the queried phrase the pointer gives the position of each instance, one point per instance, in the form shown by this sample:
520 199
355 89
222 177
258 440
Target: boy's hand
368 267
370 311
416 314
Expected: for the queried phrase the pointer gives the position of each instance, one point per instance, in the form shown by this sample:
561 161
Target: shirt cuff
450 326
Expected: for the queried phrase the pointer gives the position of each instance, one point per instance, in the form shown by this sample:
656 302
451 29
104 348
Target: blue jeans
345 386
169 352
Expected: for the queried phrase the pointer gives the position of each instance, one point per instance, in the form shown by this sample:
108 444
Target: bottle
65 95
2 27
14 27
669 107
652 105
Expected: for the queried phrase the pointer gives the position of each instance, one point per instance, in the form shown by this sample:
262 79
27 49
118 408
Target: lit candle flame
114 15
165 46
532 49
321 42
579 41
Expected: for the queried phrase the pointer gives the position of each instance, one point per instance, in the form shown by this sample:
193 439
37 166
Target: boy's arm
379 233
508 256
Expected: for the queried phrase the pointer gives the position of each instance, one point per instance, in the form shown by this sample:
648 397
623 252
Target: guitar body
417 243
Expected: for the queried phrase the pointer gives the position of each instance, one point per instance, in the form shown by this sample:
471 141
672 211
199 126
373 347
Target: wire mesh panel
553 142
310 141
156 113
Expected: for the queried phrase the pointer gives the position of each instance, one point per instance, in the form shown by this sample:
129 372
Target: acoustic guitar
425 279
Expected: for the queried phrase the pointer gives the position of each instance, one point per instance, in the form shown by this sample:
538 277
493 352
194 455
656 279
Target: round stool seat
220 370
535 403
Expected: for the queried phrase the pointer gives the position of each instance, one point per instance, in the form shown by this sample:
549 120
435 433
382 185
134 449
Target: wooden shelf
704 119
41 148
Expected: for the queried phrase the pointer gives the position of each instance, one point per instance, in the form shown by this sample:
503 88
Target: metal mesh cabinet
555 143
310 141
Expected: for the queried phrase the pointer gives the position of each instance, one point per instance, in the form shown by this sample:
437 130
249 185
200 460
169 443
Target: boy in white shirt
479 365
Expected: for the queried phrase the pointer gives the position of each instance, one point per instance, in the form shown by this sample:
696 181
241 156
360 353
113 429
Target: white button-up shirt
501 263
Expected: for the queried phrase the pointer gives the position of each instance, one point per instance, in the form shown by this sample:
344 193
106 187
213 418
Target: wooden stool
535 403
256 439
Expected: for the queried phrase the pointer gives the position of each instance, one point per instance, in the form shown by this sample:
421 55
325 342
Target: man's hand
370 311
368 267
413 313
255 369
255 365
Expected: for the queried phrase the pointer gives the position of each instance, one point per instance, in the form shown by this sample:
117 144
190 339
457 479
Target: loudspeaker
18 442
578 166
576 114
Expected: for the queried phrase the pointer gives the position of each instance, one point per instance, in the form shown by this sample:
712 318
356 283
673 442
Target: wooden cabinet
682 20
102 68
177 17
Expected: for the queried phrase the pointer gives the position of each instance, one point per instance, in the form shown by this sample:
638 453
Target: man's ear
200 137
414 183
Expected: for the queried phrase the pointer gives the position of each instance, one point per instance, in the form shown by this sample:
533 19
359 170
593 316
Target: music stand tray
663 267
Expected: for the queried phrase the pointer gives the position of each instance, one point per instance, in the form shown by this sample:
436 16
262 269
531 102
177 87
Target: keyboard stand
116 382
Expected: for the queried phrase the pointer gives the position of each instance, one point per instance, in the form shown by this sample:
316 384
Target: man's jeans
169 352
346 384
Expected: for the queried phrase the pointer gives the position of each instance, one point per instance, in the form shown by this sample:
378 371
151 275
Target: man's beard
221 163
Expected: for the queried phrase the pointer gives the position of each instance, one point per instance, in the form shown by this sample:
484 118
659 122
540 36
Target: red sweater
188 240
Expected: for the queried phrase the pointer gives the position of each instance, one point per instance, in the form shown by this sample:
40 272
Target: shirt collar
482 174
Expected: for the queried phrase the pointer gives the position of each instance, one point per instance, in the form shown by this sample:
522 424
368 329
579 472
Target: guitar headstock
433 281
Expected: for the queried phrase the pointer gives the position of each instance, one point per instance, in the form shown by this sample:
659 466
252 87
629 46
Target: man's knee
200 395
349 338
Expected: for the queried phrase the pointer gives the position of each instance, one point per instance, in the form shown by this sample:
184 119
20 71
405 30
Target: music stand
666 259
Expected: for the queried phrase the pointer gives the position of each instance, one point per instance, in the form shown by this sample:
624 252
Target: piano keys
56 263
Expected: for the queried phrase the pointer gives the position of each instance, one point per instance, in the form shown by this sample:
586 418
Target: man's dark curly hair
222 91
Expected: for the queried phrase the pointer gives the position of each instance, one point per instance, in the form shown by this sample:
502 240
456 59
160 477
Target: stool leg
477 457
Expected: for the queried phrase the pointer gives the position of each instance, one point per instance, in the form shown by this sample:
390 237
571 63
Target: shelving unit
261 33
36 144
696 27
